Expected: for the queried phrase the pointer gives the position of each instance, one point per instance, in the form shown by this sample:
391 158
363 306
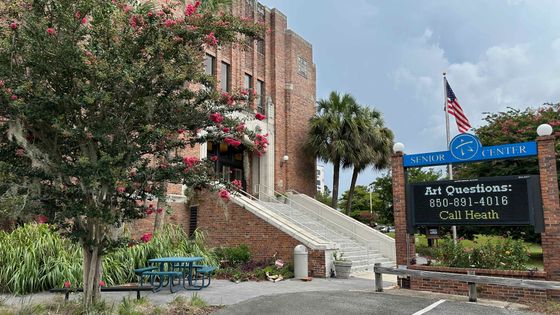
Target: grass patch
550 307
129 306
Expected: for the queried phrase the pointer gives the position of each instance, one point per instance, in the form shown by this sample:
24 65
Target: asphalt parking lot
361 302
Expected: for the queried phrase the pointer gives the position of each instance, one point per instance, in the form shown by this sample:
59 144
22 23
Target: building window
260 46
249 8
248 82
260 12
260 97
225 78
229 161
210 64
302 67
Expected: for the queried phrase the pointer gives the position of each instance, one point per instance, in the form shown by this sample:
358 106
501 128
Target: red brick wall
178 215
231 225
496 292
400 213
300 170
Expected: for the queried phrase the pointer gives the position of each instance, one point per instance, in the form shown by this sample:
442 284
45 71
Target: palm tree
370 145
329 130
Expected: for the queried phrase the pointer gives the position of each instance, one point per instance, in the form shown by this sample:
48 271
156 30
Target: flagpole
448 134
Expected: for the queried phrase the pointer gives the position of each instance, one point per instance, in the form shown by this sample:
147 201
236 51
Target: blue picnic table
177 267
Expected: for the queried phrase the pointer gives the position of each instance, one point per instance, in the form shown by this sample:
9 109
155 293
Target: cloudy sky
391 54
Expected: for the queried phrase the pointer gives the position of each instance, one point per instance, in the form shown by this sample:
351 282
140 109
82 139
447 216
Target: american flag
455 109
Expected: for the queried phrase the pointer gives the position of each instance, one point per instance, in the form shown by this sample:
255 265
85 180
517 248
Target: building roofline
290 32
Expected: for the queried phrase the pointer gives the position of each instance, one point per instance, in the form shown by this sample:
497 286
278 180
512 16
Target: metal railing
352 234
256 200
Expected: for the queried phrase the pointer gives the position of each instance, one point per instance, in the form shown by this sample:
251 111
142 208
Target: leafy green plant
34 257
503 253
235 256
197 301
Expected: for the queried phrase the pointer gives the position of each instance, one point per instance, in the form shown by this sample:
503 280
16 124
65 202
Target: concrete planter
342 268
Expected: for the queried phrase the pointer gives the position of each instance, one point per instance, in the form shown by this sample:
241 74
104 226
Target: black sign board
509 200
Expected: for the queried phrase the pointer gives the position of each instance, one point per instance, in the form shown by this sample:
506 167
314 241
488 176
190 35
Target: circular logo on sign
464 146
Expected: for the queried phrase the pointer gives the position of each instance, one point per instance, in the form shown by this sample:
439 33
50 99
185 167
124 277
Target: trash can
300 262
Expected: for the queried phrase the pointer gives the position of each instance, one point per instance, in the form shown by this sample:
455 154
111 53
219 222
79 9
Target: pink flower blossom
51 31
226 129
146 237
230 141
181 131
20 152
121 189
67 284
228 98
170 22
127 8
190 10
149 211
159 210
77 15
216 117
41 219
214 158
160 13
101 283
84 21
133 21
224 194
150 14
237 183
190 161
260 116
211 39
14 26
2 83
13 97
240 128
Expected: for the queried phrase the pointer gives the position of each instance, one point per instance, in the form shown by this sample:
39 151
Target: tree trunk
336 177
351 191
92 263
160 217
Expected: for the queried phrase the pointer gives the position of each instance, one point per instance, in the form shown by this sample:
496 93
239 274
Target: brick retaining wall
491 291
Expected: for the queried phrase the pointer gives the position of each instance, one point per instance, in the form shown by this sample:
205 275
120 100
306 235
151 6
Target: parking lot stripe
429 307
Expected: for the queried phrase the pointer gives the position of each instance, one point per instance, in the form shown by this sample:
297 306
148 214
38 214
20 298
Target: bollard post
472 287
378 278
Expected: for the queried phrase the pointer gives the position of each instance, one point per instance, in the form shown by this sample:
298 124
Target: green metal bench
203 272
171 275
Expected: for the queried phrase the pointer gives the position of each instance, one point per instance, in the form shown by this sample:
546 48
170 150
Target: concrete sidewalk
224 292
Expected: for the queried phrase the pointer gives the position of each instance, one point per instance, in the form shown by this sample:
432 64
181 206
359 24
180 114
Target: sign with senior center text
465 148
510 200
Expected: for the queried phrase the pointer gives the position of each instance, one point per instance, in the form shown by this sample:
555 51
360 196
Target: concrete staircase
361 251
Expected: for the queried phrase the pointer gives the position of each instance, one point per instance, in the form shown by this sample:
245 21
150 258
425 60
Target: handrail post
378 278
472 287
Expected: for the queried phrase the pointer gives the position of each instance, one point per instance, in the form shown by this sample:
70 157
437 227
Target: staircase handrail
352 233
300 229
385 243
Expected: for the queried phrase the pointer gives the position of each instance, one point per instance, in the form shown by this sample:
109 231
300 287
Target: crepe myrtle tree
97 100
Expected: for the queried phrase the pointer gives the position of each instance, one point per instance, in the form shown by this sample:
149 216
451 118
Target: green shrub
34 257
504 253
234 255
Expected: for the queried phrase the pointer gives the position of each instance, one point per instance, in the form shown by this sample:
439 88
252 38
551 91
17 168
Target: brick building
280 69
